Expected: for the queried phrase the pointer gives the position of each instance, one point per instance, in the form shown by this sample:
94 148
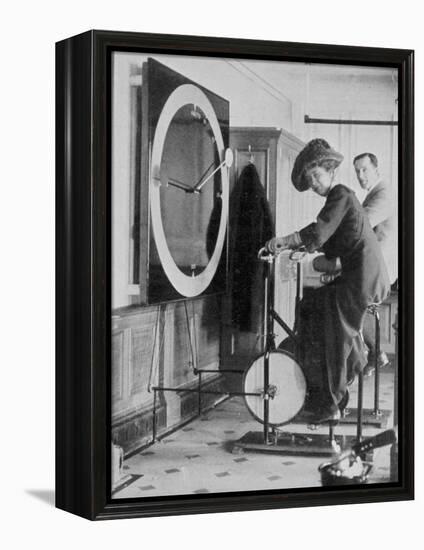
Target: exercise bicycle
275 386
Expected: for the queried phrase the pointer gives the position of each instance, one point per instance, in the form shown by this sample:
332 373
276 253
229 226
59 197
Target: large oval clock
188 186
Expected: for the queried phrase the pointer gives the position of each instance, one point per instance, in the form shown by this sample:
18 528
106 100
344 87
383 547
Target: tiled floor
198 458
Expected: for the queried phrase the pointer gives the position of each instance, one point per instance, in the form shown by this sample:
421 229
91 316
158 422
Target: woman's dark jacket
337 310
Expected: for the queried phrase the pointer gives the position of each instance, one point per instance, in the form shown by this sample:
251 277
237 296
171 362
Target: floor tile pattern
197 459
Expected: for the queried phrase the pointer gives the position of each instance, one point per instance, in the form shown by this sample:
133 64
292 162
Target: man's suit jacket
381 209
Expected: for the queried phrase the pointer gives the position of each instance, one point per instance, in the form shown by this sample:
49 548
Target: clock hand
204 174
188 188
180 185
174 182
199 186
228 161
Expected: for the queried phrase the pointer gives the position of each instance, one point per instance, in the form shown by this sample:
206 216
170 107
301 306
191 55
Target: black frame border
83 273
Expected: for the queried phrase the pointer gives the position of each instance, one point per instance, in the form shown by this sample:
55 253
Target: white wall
262 93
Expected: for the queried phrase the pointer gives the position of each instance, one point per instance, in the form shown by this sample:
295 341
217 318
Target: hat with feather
313 154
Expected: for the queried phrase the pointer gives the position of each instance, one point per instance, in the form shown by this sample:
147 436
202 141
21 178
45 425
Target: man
381 210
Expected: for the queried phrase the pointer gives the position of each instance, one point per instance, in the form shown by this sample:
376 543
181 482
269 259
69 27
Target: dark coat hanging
251 225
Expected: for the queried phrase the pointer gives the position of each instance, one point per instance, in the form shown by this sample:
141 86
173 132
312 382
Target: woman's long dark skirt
331 347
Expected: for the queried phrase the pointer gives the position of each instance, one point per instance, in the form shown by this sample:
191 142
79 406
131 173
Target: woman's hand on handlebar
278 244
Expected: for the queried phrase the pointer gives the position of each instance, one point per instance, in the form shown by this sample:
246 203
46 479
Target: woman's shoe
330 414
383 361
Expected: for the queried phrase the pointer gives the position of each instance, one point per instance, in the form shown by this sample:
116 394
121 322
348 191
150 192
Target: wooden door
258 146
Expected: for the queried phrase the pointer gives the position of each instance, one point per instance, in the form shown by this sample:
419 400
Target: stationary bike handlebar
265 255
296 255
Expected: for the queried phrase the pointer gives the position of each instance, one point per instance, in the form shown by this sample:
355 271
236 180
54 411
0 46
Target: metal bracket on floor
199 392
370 417
192 363
293 444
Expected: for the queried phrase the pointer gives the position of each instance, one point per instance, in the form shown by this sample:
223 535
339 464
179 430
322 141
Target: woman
331 317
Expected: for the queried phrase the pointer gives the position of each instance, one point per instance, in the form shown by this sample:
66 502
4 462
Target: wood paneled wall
161 346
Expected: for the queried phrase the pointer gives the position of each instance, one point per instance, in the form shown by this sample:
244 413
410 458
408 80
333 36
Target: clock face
188 190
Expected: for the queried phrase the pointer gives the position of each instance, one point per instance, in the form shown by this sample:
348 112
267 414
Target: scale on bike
275 387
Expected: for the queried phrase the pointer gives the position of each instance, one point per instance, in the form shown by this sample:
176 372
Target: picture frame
83 273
